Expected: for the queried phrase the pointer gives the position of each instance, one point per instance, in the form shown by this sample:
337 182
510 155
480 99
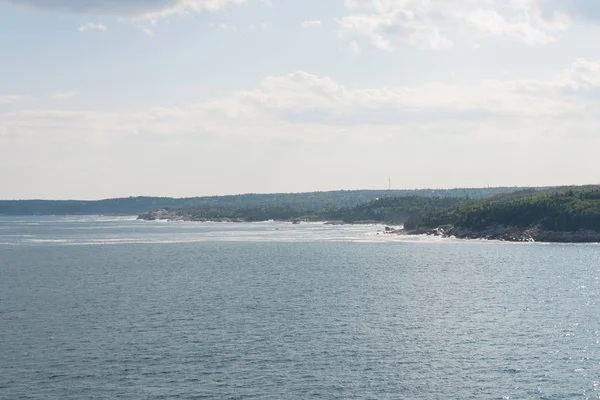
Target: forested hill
394 210
389 210
312 202
568 214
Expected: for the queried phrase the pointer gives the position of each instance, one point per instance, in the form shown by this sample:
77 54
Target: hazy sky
110 98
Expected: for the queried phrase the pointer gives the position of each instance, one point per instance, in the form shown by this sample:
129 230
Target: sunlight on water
94 307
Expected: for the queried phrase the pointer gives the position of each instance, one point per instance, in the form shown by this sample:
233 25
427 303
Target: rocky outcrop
163 215
427 231
173 215
394 231
513 234
503 233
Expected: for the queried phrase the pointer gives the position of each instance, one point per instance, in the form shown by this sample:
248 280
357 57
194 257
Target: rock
525 235
393 231
163 215
335 223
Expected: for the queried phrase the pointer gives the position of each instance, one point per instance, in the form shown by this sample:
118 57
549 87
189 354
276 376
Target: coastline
174 216
499 233
510 234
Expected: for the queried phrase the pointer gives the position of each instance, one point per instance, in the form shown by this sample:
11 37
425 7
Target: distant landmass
390 210
558 214
302 202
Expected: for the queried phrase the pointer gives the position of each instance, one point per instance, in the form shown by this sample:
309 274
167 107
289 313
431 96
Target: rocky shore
171 215
166 215
502 233
511 234
175 215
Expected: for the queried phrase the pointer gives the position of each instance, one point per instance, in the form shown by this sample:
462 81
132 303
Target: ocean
113 308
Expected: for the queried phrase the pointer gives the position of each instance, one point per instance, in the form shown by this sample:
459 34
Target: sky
117 98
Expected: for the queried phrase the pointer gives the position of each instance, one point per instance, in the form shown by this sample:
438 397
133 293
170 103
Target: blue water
100 308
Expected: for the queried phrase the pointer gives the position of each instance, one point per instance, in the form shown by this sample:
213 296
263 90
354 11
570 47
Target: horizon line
297 193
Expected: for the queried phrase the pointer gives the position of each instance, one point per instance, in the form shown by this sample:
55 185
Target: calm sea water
117 309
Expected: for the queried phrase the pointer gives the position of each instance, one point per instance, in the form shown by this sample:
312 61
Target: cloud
583 74
222 26
311 24
581 9
304 93
538 131
65 95
434 24
147 31
96 7
93 27
304 106
11 98
260 27
354 47
183 7
138 9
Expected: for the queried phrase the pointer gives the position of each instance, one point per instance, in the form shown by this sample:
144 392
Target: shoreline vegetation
551 214
310 202
562 214
387 210
565 214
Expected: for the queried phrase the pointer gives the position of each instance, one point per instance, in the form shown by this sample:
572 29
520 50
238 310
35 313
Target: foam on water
71 231
99 230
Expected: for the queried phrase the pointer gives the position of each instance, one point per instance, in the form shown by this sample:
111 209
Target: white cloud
305 105
11 98
183 7
260 27
540 131
303 92
65 95
146 9
222 26
434 24
311 24
583 74
147 31
354 47
93 27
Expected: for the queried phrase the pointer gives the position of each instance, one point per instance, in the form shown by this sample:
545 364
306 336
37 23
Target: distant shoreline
174 216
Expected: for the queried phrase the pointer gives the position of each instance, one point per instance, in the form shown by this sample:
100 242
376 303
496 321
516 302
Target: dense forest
566 209
390 210
302 202
394 210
